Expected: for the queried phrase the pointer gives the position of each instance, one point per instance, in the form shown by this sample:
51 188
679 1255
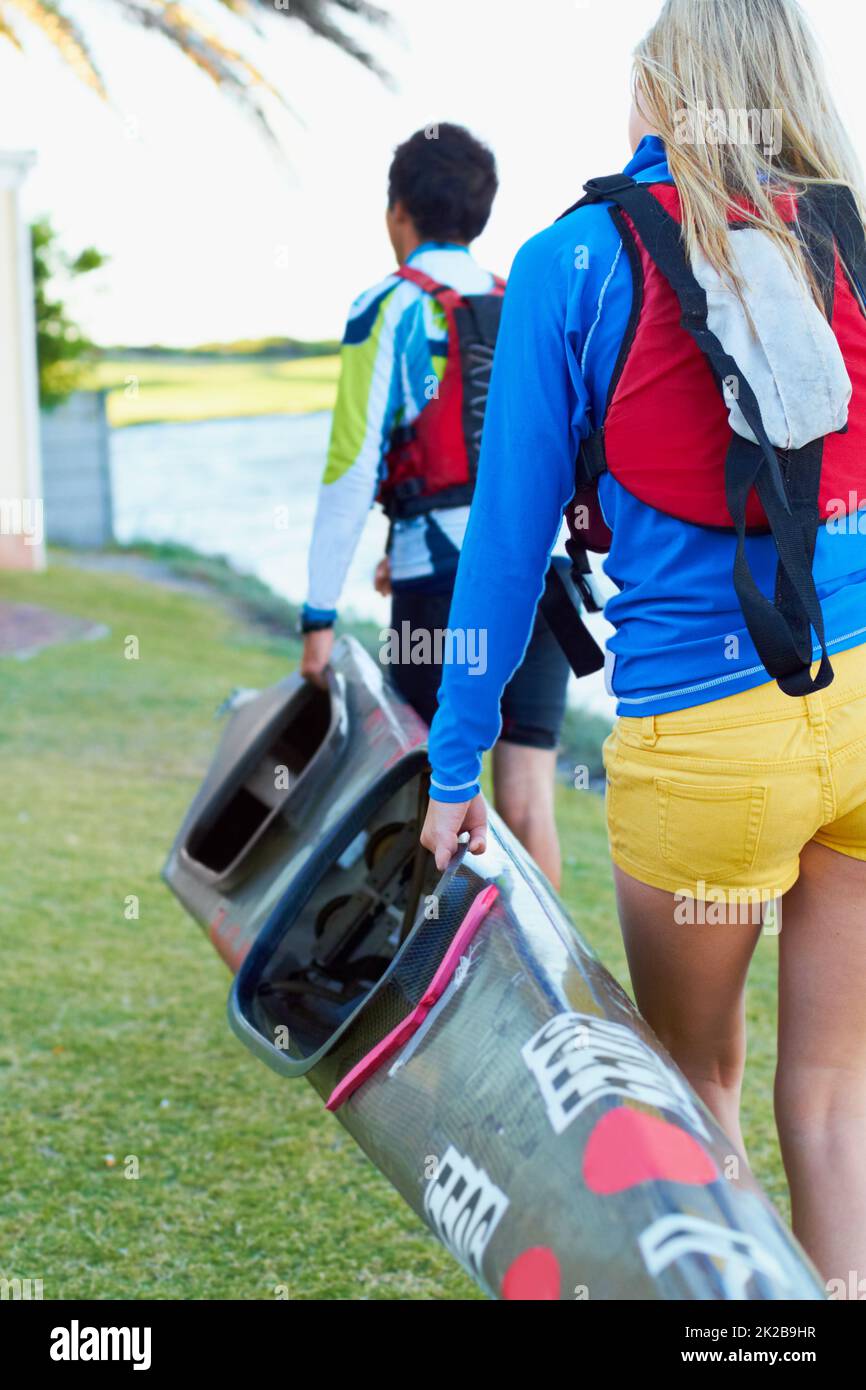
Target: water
247 489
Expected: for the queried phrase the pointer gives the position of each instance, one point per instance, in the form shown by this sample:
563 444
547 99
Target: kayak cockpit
298 738
359 937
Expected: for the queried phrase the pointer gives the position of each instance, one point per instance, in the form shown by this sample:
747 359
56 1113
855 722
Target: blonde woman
693 333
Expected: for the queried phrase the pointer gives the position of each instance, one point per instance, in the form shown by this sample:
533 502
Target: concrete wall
21 536
75 472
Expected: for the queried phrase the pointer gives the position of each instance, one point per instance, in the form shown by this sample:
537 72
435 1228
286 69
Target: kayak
459 1026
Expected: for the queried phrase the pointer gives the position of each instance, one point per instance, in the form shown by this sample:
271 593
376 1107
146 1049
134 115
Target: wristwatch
306 624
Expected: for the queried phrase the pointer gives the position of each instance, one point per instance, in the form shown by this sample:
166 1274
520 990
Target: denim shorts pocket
707 832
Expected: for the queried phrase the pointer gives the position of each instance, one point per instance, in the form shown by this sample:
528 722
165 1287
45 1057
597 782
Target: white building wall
21 499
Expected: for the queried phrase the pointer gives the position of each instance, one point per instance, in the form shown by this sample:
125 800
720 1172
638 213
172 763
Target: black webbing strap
591 459
561 607
780 630
802 472
818 246
837 207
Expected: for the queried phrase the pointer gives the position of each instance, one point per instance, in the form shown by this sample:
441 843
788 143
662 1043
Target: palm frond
6 30
316 15
66 37
199 40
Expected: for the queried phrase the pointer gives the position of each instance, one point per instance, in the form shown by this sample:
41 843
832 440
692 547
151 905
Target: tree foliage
62 349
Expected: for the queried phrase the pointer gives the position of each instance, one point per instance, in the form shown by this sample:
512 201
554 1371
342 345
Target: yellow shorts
725 796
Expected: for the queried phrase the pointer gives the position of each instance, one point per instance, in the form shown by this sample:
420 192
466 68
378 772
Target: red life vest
434 461
666 434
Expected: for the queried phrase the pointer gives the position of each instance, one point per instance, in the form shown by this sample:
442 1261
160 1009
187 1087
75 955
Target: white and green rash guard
394 351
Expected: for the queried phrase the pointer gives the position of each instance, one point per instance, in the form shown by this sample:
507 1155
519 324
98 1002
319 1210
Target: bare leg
821 1073
689 983
523 790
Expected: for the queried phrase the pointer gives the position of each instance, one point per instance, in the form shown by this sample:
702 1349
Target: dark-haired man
394 368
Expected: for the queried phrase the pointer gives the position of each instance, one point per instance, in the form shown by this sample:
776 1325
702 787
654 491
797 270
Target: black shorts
533 702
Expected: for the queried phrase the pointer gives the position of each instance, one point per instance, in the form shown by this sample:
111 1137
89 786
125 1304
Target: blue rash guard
680 636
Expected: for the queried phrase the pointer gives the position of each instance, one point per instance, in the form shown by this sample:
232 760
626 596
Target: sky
213 237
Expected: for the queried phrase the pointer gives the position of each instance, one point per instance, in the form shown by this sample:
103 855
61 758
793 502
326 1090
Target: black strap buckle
402 435
562 612
586 585
583 578
409 488
591 459
608 185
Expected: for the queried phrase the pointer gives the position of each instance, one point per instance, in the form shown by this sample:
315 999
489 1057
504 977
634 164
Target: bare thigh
689 982
822 985
689 979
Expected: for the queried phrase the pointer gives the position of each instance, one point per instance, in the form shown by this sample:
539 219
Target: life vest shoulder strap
837 208
446 294
600 189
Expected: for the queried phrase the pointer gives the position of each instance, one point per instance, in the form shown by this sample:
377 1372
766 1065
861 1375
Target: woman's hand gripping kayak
446 820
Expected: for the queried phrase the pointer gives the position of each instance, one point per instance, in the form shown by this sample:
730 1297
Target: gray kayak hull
510 1091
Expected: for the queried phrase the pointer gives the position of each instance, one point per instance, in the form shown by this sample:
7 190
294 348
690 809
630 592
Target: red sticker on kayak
628 1147
532 1277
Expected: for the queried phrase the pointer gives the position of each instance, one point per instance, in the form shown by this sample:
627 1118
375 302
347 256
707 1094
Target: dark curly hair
446 180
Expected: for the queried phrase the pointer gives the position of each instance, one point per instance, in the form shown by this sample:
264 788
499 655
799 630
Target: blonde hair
753 65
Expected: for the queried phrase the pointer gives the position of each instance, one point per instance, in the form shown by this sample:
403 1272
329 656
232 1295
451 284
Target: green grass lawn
114 1038
145 391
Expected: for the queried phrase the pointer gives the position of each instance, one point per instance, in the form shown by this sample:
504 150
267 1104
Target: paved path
26 628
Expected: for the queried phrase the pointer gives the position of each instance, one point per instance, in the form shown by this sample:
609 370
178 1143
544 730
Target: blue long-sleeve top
680 637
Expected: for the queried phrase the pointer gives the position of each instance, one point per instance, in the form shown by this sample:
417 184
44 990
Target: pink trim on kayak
404 1030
